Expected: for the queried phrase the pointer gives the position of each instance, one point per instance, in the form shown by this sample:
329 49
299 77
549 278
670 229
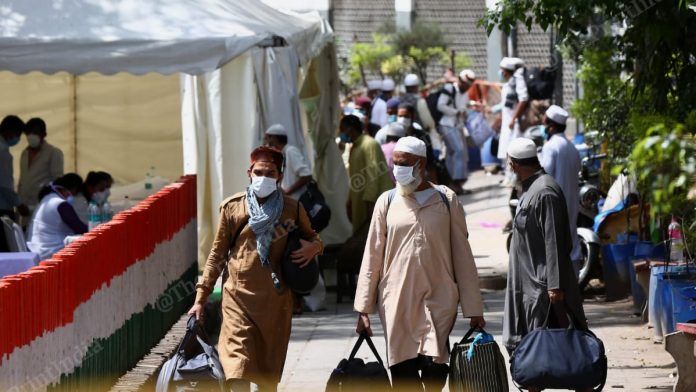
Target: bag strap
366 338
571 316
468 334
438 188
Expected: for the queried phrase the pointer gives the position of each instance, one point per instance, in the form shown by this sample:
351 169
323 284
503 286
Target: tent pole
74 111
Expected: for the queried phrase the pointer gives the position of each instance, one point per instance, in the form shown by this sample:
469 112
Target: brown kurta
416 268
256 318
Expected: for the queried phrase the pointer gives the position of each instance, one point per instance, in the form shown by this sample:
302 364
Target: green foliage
396 67
461 61
664 163
394 53
424 45
369 56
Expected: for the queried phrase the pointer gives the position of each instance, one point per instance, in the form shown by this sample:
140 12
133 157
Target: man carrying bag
417 266
541 277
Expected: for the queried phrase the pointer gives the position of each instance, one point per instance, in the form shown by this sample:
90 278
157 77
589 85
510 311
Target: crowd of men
410 246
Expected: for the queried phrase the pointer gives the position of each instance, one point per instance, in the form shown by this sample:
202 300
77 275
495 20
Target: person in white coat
561 160
55 217
514 98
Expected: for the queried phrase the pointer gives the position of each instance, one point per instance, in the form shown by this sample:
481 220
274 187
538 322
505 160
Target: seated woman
55 217
95 189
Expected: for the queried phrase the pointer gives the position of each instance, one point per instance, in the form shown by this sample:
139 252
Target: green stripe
107 359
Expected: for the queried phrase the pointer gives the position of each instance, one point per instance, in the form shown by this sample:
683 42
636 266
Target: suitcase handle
365 337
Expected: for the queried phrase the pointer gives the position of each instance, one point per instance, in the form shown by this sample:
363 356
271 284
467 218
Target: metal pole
74 112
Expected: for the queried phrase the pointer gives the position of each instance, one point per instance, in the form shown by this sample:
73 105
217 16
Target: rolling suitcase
477 365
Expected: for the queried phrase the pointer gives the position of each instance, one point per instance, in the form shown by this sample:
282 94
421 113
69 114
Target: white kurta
515 86
295 167
561 160
379 113
416 268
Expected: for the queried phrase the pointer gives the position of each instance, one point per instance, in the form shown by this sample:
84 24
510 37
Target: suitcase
195 365
477 365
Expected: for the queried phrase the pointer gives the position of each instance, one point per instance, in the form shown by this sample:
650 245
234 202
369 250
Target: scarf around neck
263 219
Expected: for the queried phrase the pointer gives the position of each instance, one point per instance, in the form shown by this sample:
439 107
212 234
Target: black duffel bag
195 365
353 374
560 358
477 365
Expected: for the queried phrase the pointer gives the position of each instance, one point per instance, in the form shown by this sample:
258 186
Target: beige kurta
416 268
256 318
46 167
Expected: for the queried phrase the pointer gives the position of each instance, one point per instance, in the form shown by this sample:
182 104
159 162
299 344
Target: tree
653 48
424 45
367 57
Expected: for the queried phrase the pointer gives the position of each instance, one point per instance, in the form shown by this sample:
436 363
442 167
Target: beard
405 190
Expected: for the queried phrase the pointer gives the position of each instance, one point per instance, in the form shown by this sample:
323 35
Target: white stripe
60 351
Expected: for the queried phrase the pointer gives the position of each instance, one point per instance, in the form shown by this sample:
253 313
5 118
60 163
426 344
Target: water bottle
149 176
676 240
93 215
106 212
127 203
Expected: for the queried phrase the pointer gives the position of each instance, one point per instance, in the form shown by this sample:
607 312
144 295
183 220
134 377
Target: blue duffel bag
549 358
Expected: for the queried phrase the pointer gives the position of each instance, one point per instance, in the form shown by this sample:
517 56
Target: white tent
239 77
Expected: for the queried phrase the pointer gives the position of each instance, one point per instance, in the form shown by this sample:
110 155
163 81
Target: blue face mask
13 141
544 132
501 75
392 118
345 138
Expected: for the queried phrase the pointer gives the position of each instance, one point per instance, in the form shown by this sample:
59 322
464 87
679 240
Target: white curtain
218 115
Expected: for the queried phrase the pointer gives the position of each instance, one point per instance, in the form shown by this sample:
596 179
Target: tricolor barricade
87 315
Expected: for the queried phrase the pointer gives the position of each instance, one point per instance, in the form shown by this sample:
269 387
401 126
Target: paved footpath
319 340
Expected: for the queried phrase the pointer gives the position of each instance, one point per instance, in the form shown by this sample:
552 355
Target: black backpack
432 99
540 82
315 205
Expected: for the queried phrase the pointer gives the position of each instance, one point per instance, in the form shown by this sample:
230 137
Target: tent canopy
135 36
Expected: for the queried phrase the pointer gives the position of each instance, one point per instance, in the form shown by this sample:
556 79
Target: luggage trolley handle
365 337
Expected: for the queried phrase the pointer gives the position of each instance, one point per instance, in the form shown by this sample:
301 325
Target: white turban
522 148
557 114
411 145
395 129
468 75
411 80
511 63
277 129
388 85
374 85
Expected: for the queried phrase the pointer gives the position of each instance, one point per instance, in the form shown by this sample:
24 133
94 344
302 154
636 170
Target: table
15 262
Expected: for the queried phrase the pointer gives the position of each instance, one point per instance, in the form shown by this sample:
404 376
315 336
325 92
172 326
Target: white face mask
33 140
406 122
263 186
404 174
99 197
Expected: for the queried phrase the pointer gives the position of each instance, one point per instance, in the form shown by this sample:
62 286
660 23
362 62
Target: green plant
367 57
461 61
424 44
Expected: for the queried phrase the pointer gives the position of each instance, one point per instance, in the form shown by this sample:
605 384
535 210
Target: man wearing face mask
250 242
561 160
40 163
541 284
11 129
417 267
96 189
55 217
452 103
